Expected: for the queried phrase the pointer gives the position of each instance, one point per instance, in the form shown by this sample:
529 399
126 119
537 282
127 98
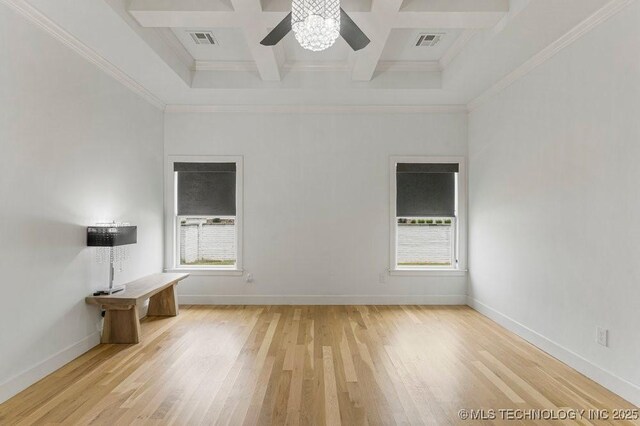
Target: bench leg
121 325
164 304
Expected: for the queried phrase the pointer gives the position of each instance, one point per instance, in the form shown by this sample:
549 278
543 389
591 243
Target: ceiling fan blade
351 33
278 33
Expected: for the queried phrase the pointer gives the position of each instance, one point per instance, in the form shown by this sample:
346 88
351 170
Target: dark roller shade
427 168
425 189
206 189
204 167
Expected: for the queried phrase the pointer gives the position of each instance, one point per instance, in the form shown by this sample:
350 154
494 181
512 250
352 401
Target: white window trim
462 217
171 258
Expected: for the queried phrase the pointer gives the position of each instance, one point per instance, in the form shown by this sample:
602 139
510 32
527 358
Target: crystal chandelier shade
316 23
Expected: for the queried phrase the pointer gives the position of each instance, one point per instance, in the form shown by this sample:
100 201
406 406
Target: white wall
550 156
76 147
316 203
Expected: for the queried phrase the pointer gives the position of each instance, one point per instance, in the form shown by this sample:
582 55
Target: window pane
207 241
425 241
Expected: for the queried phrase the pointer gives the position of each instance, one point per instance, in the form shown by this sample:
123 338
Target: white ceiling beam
153 17
377 27
216 13
347 5
472 14
487 6
267 60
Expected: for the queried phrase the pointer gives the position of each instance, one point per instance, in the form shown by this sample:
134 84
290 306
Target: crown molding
224 66
69 40
409 66
250 66
604 13
315 66
318 109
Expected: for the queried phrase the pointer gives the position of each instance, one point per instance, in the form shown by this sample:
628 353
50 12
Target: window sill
428 272
204 271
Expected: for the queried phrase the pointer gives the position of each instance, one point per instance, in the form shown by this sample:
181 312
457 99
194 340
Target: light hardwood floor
319 365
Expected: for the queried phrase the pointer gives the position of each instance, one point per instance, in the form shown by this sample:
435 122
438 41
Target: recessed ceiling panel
230 44
419 45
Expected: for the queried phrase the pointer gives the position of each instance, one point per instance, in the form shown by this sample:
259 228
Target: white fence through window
207 241
425 244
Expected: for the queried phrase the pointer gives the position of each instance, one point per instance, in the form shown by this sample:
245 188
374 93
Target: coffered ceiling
397 21
479 43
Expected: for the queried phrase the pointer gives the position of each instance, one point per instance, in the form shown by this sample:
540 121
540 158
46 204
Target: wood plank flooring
308 365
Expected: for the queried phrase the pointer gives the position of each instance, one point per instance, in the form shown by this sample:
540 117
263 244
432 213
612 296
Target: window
427 217
206 212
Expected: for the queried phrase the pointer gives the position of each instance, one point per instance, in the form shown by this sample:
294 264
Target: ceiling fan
316 25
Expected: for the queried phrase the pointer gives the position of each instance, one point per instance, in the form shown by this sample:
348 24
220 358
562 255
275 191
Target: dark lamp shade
111 236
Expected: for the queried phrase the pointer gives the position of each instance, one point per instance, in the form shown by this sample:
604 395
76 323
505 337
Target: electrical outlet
602 336
249 278
382 278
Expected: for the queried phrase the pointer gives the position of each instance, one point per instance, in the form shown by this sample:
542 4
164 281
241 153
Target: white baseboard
207 299
25 379
618 385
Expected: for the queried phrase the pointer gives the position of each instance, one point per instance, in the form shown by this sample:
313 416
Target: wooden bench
121 320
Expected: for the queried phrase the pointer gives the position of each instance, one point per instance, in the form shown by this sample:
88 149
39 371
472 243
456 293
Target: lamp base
107 292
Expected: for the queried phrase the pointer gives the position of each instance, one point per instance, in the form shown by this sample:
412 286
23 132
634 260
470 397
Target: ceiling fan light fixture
316 23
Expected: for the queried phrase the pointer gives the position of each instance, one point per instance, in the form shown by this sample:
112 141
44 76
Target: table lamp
110 240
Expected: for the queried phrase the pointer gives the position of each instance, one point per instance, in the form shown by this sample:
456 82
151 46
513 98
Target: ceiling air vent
203 37
429 40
